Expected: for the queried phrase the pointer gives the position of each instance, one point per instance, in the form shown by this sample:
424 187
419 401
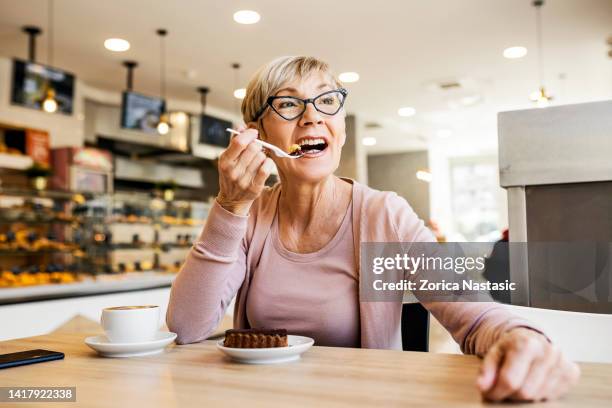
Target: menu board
141 112
213 131
31 81
37 146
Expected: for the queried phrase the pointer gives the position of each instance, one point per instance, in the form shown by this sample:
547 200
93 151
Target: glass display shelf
23 252
87 286
98 242
37 220
52 194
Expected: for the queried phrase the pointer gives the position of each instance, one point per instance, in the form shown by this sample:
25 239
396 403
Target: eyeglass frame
270 99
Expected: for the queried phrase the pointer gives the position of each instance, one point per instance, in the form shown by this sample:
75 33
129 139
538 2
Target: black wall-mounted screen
30 83
212 131
141 112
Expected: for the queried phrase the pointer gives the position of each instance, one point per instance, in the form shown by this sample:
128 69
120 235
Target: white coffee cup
130 324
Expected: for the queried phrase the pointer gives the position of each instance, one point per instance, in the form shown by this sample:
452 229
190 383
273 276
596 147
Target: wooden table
198 375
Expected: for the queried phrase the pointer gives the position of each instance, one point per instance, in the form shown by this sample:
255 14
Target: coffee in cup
130 324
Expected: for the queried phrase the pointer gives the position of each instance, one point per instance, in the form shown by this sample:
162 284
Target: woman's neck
306 203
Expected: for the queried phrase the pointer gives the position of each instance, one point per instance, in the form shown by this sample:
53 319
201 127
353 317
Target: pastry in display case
41 242
178 231
145 233
26 239
129 234
68 243
171 259
38 275
178 235
121 233
132 260
77 236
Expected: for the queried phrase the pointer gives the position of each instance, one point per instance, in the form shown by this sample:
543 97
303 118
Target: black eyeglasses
291 107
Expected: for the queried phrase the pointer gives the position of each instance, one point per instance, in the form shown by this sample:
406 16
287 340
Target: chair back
415 327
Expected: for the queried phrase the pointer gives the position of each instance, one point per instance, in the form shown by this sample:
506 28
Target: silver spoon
277 150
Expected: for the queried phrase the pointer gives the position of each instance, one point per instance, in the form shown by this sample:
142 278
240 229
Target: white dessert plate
272 355
107 349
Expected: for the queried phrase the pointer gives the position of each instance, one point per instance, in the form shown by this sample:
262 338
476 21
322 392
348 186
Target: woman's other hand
243 170
524 366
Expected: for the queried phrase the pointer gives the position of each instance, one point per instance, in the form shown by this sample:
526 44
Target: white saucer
273 355
104 347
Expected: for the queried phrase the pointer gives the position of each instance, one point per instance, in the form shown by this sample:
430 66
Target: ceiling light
116 44
406 111
515 52
424 175
246 17
348 77
368 141
470 100
240 93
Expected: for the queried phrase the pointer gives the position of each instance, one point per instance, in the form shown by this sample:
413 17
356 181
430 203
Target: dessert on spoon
294 154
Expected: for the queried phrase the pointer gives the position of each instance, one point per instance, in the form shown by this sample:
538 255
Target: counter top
89 286
198 375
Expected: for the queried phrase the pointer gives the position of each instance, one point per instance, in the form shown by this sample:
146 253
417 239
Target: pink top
286 289
224 262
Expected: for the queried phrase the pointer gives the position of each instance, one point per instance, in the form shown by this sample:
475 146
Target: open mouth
311 146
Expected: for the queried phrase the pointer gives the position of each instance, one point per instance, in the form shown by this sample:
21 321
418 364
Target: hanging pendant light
540 97
163 126
203 91
49 103
130 66
32 32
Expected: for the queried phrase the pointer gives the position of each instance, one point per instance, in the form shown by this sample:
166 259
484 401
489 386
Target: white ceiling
397 46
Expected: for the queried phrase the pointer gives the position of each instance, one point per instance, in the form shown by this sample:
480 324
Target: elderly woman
289 254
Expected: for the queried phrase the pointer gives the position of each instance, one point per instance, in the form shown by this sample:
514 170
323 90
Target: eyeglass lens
290 108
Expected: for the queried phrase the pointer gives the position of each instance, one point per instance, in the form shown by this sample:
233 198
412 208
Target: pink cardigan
220 265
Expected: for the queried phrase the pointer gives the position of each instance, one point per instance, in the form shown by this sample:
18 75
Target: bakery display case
41 241
59 244
145 232
85 220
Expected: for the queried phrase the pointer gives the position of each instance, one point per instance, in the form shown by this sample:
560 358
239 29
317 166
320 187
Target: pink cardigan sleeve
210 277
475 326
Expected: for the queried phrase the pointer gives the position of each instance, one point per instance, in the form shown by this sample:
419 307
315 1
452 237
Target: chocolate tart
255 338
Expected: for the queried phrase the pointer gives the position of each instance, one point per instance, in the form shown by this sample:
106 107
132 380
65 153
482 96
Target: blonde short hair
271 77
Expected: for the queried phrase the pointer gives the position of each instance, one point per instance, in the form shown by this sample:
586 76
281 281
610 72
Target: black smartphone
28 357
